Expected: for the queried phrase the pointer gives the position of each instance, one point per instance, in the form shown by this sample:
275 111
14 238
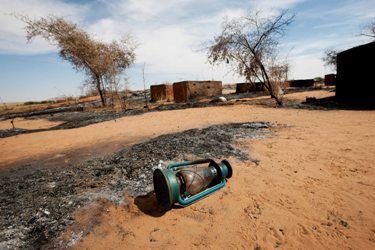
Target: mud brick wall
330 80
187 90
300 83
180 92
247 87
355 81
162 92
242 87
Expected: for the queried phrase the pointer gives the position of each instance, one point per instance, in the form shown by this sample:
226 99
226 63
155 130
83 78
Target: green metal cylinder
166 187
179 182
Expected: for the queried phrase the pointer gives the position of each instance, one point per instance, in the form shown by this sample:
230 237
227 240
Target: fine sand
314 187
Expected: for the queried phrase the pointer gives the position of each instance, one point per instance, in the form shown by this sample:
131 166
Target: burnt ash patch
38 204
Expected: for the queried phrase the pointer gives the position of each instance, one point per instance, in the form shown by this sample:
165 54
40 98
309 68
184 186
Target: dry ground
314 187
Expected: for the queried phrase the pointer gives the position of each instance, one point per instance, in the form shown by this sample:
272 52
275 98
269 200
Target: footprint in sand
253 211
277 236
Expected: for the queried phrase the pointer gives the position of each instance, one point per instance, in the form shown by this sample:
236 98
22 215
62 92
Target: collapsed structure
162 92
187 90
258 86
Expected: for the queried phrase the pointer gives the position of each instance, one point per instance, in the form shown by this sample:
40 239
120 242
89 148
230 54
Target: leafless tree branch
251 43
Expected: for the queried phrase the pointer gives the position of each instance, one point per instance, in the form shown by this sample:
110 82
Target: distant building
355 80
248 87
300 83
187 90
162 92
330 80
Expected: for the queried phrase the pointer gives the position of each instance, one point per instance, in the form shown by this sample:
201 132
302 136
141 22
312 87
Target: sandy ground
72 145
27 124
313 189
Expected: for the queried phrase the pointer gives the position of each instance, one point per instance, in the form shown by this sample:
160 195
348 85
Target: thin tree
144 86
126 92
251 43
99 61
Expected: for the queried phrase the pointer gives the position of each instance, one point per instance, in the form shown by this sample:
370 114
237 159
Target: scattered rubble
38 204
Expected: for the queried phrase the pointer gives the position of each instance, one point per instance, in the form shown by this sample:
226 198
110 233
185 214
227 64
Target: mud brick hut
355 80
162 92
187 90
330 80
248 87
300 83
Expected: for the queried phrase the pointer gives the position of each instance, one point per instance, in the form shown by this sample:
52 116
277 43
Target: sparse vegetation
250 42
101 62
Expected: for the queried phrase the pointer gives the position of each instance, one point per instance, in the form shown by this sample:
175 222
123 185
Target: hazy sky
170 34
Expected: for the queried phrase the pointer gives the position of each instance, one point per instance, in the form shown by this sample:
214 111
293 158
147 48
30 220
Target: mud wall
162 92
355 80
330 80
247 87
300 83
187 90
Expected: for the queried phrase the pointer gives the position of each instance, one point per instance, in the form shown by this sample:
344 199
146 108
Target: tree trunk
278 100
103 90
269 85
99 88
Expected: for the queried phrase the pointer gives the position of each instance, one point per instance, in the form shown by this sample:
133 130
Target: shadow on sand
149 205
331 103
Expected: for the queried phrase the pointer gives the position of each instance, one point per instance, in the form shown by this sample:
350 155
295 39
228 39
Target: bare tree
99 61
330 58
370 30
251 43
